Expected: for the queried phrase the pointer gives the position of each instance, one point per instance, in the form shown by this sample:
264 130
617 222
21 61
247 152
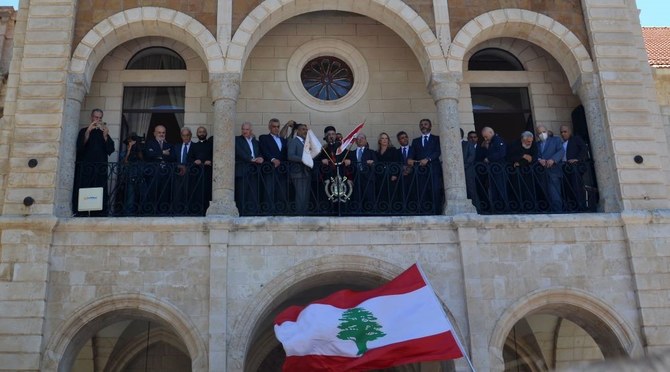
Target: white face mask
543 136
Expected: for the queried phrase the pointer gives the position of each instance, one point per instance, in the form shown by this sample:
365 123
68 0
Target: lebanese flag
346 141
401 322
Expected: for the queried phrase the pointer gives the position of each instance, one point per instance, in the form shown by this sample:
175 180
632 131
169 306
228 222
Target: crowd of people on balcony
538 173
271 176
152 177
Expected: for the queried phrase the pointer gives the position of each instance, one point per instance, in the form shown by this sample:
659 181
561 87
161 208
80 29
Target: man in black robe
94 145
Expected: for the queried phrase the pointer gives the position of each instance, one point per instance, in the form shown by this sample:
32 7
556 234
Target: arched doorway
265 352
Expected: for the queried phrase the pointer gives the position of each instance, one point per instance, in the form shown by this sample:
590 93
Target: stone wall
91 12
396 97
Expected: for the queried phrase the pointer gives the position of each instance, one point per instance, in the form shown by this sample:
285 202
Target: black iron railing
380 189
356 190
146 189
565 188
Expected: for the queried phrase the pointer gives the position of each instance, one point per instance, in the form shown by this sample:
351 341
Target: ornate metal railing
381 189
146 189
355 190
504 189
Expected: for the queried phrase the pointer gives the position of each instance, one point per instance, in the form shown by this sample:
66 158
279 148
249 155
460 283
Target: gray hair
527 134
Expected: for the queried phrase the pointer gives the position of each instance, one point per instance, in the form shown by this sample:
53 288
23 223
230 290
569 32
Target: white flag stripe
402 317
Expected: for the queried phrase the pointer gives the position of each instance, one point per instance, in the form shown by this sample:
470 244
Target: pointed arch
140 22
396 15
527 25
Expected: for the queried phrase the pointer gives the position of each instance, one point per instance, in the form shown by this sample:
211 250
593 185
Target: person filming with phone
94 145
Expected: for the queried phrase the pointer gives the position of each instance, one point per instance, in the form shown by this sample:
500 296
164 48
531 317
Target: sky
653 12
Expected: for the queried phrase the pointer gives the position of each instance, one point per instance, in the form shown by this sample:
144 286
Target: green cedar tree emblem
360 326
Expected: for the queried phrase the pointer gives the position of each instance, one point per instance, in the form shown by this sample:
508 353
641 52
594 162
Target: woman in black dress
387 171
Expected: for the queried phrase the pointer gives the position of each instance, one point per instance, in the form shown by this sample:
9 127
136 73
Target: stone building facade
200 293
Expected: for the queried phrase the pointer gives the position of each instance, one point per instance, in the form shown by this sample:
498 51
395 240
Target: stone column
601 145
75 92
445 89
224 90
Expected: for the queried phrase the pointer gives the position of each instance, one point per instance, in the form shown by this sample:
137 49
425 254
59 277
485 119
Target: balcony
381 189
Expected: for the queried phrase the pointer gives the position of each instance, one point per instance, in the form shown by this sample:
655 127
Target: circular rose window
327 78
321 72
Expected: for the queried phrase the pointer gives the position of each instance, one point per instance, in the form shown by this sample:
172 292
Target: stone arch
72 333
396 15
144 21
581 308
306 275
537 28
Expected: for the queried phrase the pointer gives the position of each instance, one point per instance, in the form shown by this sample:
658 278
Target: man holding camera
94 145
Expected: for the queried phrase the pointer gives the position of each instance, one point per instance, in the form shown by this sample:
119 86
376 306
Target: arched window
156 58
494 59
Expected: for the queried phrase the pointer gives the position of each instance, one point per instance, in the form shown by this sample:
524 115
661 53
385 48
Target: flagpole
458 341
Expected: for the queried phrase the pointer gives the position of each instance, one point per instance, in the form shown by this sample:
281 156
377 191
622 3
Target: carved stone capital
445 86
77 87
224 85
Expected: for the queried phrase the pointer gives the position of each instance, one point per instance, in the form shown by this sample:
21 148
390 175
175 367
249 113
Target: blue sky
653 12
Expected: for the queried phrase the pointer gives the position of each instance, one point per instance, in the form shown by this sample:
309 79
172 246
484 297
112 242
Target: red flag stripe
348 138
442 346
409 281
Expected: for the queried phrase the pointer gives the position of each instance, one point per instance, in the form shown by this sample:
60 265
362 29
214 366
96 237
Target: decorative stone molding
331 47
396 15
145 21
537 28
617 336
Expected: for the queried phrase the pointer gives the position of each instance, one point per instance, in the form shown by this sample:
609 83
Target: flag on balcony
311 149
401 322
346 141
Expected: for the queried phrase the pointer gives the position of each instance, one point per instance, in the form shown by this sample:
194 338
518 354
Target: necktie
360 154
184 150
404 153
425 140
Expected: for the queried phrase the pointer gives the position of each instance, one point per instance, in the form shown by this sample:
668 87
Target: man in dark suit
550 157
184 199
494 155
160 155
408 186
201 155
248 159
364 175
469 156
299 173
574 166
273 148
427 153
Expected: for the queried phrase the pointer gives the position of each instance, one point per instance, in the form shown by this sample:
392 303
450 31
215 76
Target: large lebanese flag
398 323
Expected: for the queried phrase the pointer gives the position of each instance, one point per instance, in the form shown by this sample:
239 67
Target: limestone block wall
24 273
35 101
567 12
626 83
551 97
90 13
396 97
